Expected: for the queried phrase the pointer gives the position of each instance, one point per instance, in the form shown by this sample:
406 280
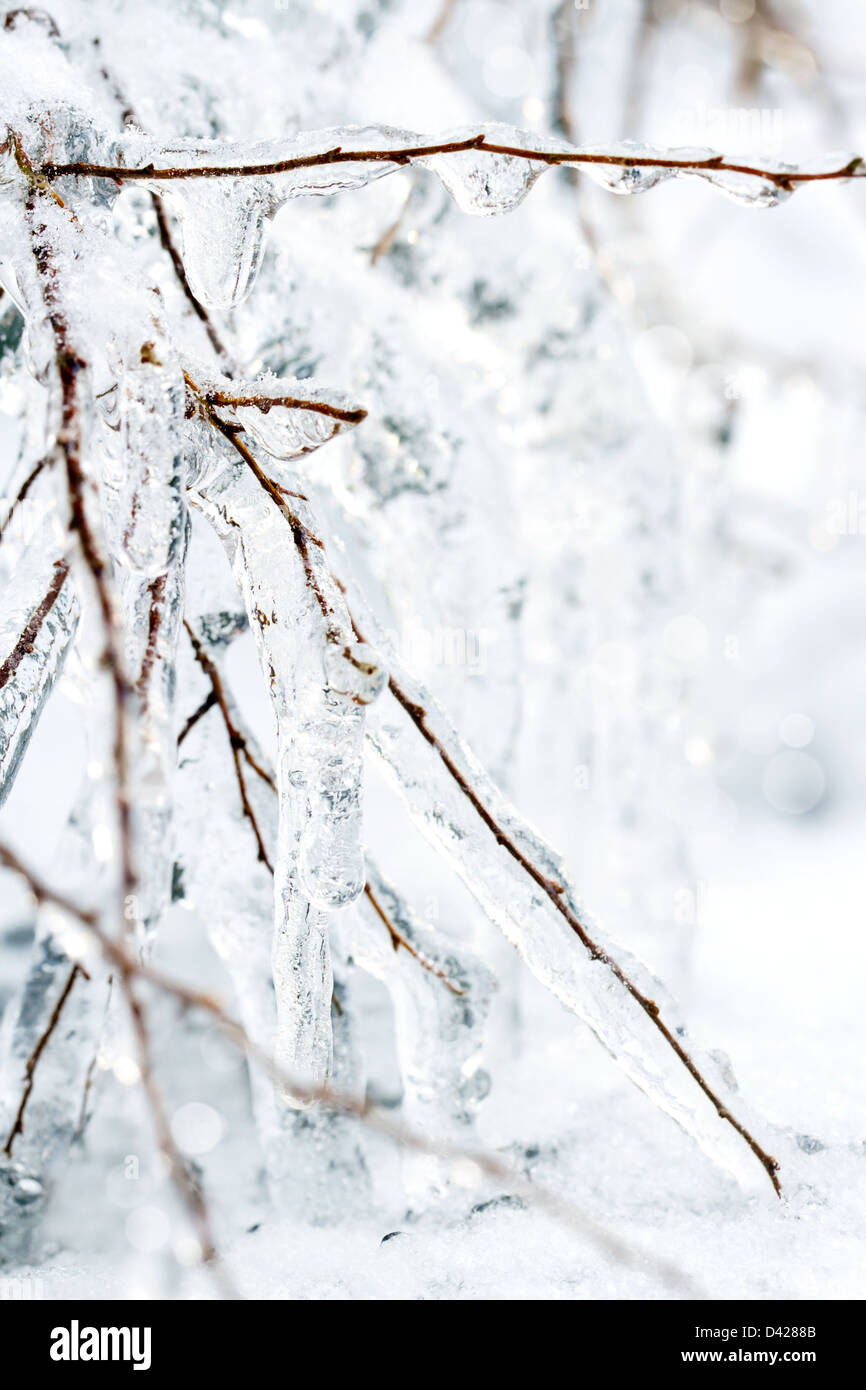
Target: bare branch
207 704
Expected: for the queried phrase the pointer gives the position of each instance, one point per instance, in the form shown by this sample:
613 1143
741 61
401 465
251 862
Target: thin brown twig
167 241
163 226
399 940
389 236
441 21
266 403
337 155
784 179
302 535
207 703
156 589
27 641
22 492
490 1165
236 740
33 1060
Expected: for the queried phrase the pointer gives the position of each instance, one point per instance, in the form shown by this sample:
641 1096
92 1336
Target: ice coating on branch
144 501
37 626
749 189
483 183
451 288
287 417
223 216
63 117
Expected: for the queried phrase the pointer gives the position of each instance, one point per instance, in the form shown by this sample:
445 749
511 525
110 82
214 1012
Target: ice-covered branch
516 841
71 368
663 164
33 1060
32 654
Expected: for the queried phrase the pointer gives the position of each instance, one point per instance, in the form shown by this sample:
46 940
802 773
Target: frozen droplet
754 190
222 223
482 182
620 177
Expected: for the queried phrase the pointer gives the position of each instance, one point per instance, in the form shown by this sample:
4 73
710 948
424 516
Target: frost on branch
363 458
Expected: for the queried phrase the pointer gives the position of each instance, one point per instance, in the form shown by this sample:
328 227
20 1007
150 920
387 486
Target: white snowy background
611 496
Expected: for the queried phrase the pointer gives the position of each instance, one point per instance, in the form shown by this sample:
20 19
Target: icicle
304 983
154 612
441 995
299 620
313 1162
39 619
144 503
222 223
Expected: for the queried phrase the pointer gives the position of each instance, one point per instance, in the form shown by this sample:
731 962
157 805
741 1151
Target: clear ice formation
292 941
320 681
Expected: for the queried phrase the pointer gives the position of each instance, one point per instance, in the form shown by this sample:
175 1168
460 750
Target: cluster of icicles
159 435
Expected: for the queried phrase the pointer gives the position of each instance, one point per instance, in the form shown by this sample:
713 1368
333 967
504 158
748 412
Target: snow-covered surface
607 502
